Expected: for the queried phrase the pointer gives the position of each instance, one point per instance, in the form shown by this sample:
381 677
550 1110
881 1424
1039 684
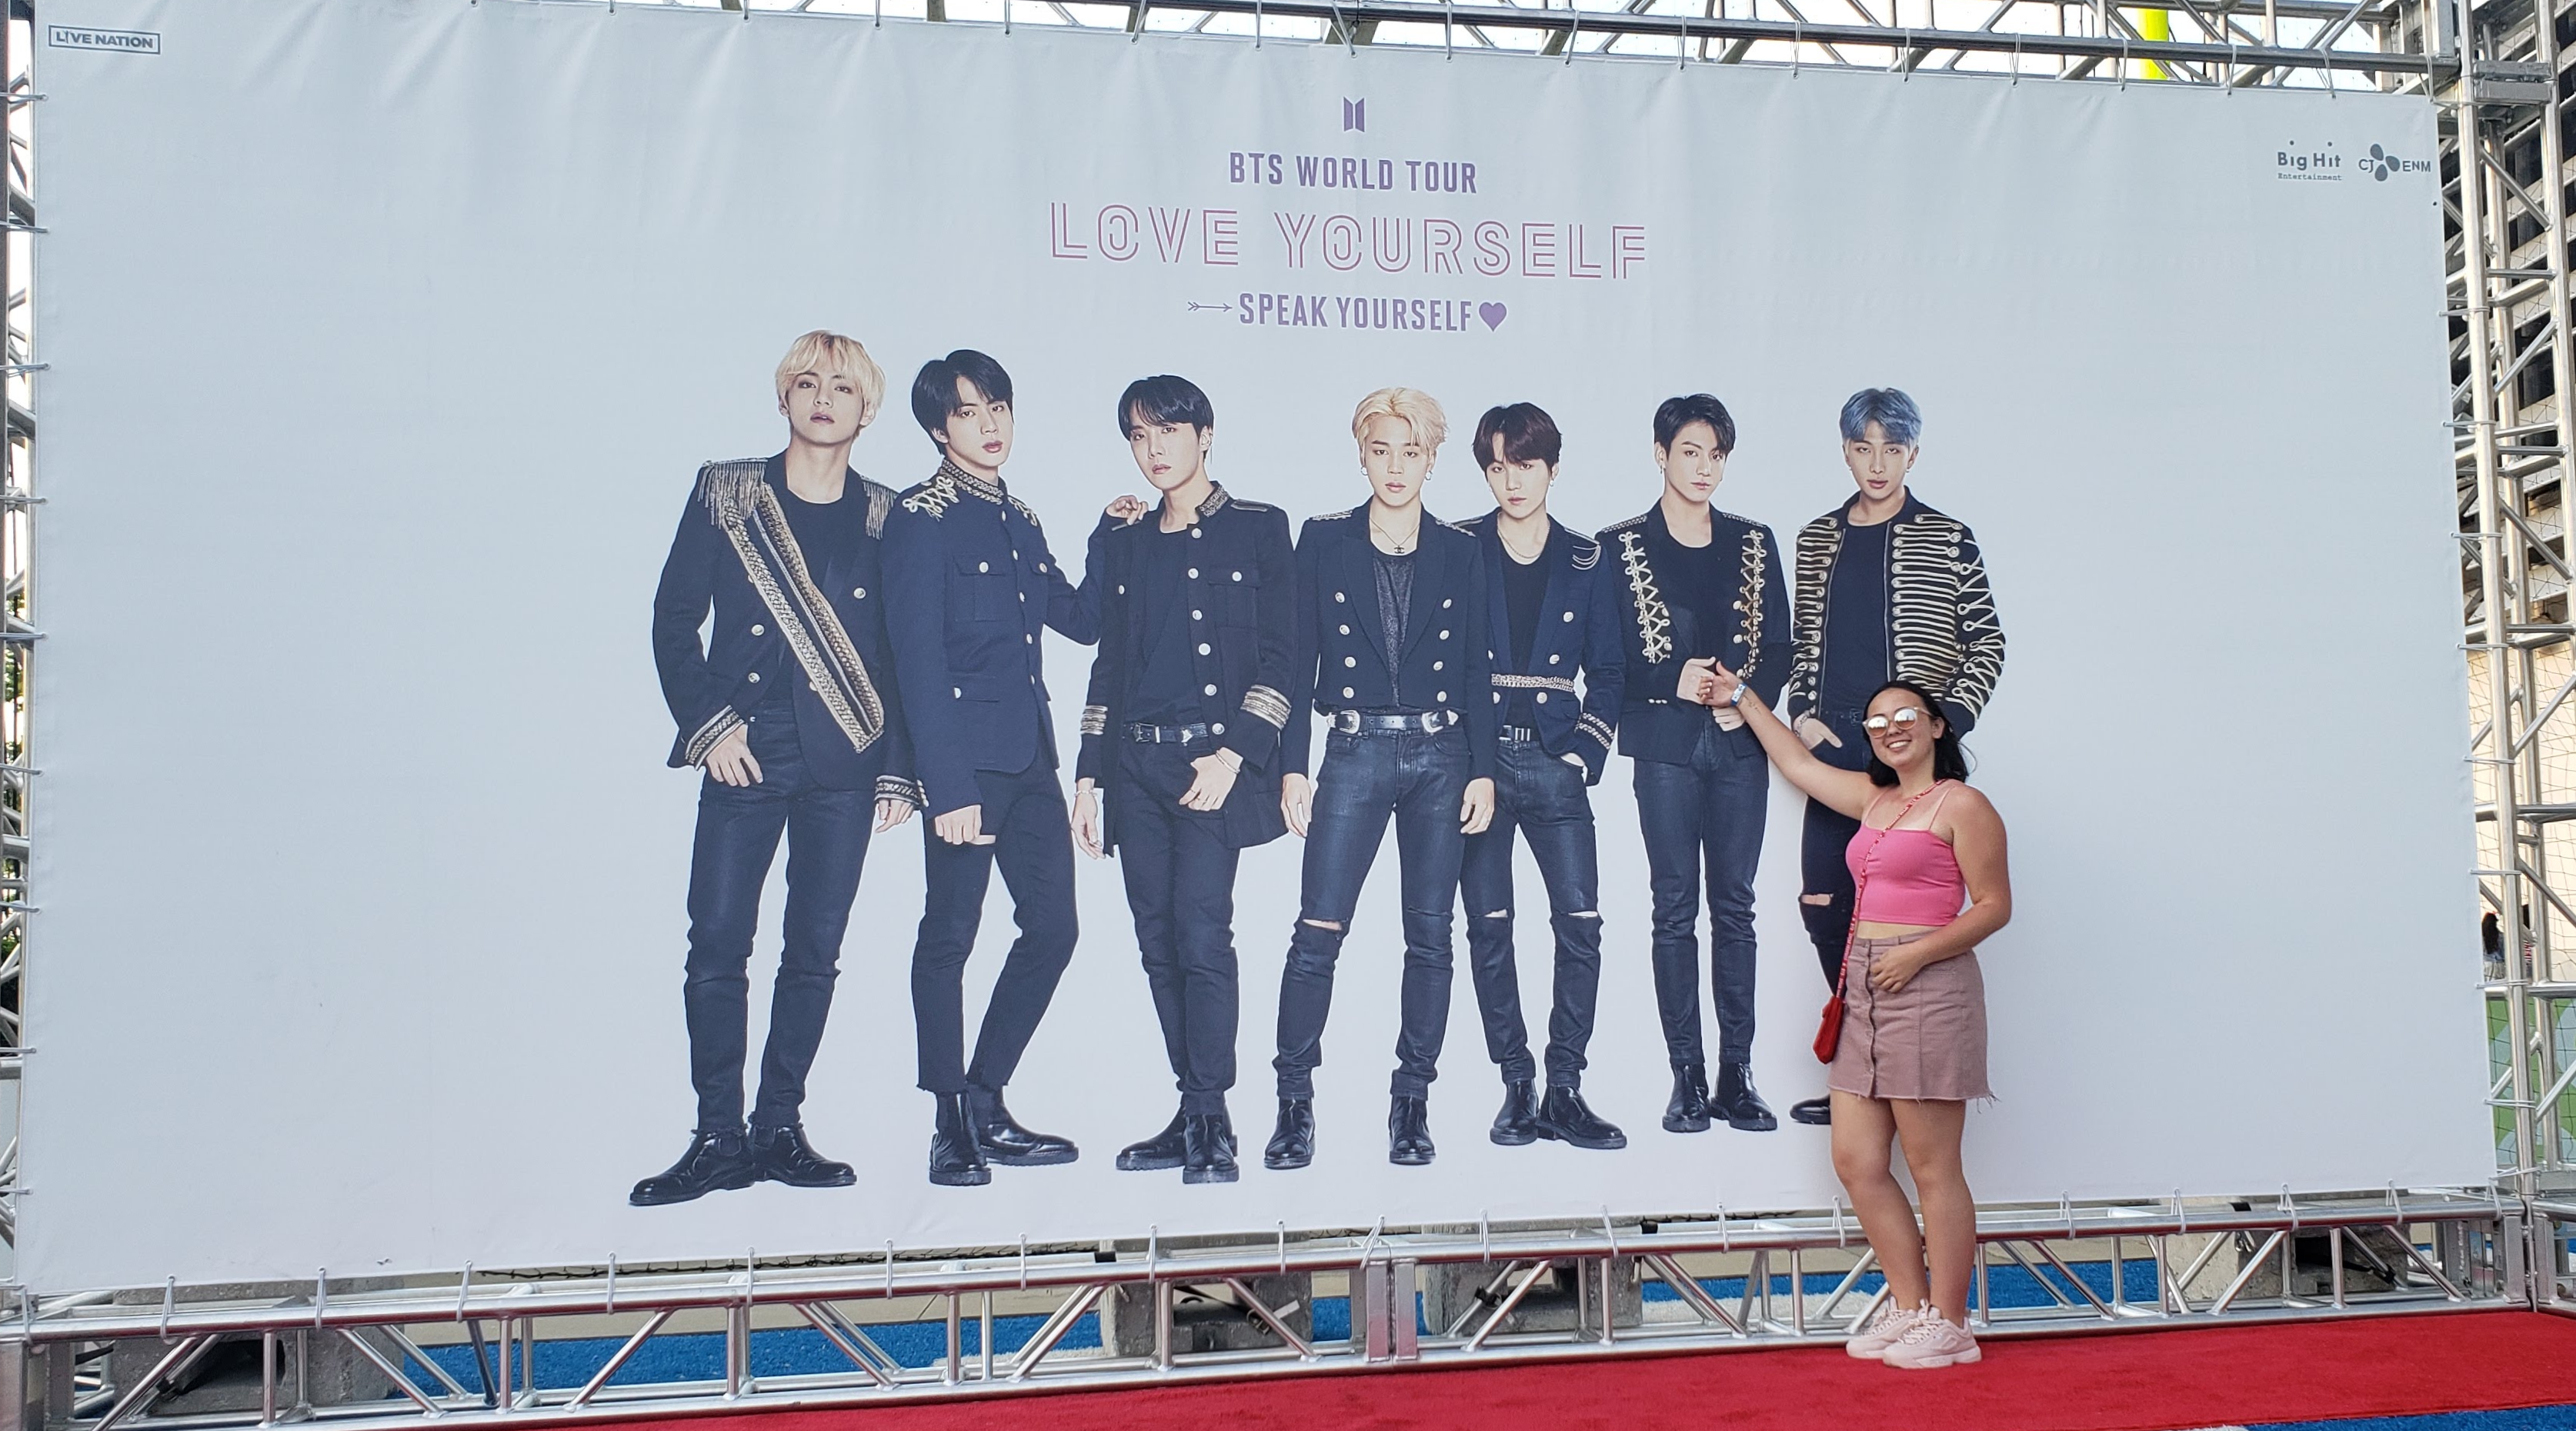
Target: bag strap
1860 879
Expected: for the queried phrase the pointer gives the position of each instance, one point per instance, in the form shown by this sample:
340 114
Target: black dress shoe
1818 1112
1164 1150
1005 1142
1565 1117
714 1161
1517 1124
1687 1111
956 1160
783 1156
1211 1150
1736 1102
1292 1143
1408 1132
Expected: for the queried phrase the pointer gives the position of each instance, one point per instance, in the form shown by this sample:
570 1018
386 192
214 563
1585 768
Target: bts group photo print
1255 645
842 658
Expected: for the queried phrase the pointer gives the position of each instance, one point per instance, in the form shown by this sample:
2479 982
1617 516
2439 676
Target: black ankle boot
1210 1155
956 1159
1517 1124
1566 1117
1292 1142
1687 1112
714 1161
1165 1149
1005 1142
1818 1112
1736 1102
783 1156
1408 1132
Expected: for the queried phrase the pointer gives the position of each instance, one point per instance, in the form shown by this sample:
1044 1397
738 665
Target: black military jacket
1241 588
1342 662
780 619
1750 636
970 587
1578 632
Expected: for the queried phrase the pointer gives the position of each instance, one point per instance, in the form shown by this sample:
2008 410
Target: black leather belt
1168 734
1520 733
1424 723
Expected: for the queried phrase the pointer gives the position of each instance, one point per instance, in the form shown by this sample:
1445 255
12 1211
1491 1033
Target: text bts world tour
1344 171
1307 240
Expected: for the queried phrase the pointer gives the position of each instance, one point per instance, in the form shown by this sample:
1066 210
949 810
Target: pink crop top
1906 876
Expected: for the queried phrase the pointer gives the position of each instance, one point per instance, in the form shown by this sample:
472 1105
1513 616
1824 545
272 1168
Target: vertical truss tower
2504 169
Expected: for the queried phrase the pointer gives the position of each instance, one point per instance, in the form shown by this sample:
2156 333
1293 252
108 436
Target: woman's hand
1892 971
1722 684
1693 686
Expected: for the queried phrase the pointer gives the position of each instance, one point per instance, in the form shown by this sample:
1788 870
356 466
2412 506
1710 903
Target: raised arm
1846 791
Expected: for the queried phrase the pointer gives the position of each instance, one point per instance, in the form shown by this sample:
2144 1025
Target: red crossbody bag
1829 1030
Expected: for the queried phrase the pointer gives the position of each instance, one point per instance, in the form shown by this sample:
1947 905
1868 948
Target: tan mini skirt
1926 1040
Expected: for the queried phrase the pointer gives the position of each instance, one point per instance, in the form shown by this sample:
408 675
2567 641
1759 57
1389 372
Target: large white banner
387 336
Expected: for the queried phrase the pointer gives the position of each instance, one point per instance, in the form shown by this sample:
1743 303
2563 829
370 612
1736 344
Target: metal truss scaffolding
889 1326
903 1328
2506 204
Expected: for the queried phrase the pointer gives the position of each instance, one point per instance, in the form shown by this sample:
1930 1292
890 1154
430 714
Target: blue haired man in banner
788 707
1888 589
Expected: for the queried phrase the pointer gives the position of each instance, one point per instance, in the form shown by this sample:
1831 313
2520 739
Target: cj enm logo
2325 164
2379 164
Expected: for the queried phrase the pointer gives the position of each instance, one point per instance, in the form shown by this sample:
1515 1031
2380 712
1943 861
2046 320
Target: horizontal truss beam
2473 1238
1346 18
89 1316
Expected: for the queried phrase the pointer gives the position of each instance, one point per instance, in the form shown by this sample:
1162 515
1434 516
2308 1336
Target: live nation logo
121 42
2325 164
1352 231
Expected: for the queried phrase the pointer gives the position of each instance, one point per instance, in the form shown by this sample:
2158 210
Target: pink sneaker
1884 1330
1933 1342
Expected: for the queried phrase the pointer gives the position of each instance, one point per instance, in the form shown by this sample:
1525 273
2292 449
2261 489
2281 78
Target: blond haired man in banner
789 709
1391 650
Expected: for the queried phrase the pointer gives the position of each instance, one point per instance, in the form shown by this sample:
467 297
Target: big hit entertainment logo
2311 165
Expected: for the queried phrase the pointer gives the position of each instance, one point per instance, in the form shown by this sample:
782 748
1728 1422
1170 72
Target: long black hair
1949 762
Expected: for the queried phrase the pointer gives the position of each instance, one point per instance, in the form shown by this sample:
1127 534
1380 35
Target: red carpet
2137 1381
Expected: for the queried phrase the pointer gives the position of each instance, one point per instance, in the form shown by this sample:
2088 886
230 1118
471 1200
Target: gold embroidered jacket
811 620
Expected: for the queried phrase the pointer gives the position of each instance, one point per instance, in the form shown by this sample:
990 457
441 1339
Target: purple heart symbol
1493 314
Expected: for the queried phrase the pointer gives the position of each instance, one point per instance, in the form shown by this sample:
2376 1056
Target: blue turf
2541 1418
792 1351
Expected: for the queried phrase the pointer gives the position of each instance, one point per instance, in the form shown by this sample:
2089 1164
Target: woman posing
1913 1046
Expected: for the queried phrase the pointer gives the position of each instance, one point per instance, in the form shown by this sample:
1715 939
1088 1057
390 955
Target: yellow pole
2155 25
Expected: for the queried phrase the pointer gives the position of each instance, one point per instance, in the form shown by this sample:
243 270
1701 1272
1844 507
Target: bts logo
1354 115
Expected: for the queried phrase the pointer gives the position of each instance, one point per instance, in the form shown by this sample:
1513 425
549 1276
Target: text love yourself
1305 239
